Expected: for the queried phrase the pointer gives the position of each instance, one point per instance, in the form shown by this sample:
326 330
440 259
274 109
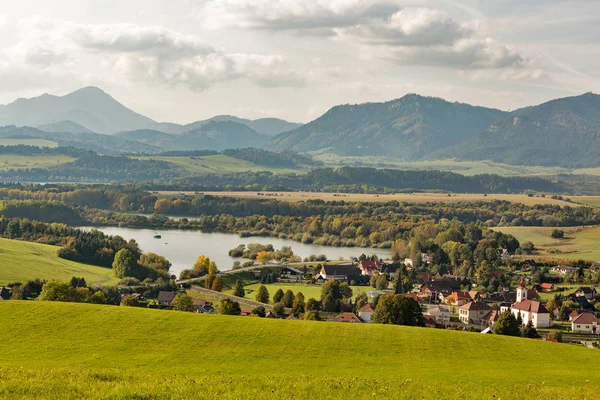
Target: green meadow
21 261
84 351
13 161
308 291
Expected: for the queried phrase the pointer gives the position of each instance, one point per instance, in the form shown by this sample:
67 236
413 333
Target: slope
64 126
264 126
91 349
90 107
22 261
562 132
407 128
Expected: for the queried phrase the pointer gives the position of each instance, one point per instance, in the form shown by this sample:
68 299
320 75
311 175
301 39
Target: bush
555 335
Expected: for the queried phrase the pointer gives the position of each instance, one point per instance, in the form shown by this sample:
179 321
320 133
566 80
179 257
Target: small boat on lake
157 236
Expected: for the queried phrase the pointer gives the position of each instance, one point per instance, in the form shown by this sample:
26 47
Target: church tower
521 291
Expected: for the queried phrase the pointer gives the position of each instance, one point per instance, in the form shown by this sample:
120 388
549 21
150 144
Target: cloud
145 53
3 20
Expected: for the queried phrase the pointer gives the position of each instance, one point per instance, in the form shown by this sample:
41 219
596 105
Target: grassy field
28 142
308 291
22 261
13 161
401 197
216 164
82 351
579 243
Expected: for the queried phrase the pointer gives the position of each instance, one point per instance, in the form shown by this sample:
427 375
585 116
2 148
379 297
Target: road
219 295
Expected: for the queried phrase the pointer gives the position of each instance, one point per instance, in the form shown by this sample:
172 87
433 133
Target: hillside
64 126
90 107
213 135
22 261
561 132
207 356
407 128
264 126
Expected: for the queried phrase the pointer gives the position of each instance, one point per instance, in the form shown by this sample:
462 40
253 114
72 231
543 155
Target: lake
182 248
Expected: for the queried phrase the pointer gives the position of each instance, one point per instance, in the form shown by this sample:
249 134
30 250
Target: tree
360 300
507 325
557 234
124 264
229 307
552 304
183 302
298 305
399 310
130 301
312 316
217 285
555 335
238 289
382 282
278 308
264 257
77 282
529 331
345 290
59 291
262 294
98 297
288 299
330 303
312 305
259 311
278 296
563 313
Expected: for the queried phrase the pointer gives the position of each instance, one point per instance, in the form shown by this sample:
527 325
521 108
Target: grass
308 291
28 142
83 351
22 261
580 243
401 197
216 164
13 161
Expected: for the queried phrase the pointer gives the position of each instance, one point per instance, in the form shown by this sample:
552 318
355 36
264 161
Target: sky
186 60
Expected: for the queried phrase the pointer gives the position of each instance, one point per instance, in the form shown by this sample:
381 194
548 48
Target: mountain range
563 132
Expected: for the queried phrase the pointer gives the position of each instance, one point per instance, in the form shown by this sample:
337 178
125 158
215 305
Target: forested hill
563 132
407 128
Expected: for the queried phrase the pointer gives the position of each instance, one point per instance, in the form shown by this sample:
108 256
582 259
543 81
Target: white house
586 322
440 313
366 313
564 269
530 310
292 274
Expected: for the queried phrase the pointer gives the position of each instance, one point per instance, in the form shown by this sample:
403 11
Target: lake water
182 248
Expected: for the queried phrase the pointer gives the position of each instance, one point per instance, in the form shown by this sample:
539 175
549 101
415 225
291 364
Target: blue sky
187 60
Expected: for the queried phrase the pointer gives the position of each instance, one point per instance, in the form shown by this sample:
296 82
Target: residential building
346 317
342 272
291 274
564 269
366 312
368 267
458 298
203 306
547 287
166 298
475 312
586 322
530 310
586 291
440 313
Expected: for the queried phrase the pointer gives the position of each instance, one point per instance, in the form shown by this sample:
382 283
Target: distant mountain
213 135
89 107
563 132
264 126
104 144
407 128
64 126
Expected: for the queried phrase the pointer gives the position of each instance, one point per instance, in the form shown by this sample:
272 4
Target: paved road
243 302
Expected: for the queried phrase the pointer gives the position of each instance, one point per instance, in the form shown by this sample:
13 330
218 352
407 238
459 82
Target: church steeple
521 291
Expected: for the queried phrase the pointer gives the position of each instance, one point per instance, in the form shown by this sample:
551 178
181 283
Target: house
341 272
475 295
440 313
366 312
291 274
430 322
408 261
415 297
595 267
586 291
458 298
582 301
346 317
426 276
487 331
432 288
426 258
564 269
166 298
4 293
203 306
368 267
504 254
493 317
475 312
246 313
530 310
586 322
574 314
547 287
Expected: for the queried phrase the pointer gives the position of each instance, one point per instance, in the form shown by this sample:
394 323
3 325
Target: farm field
83 351
22 261
401 197
579 242
216 164
13 161
308 291
28 142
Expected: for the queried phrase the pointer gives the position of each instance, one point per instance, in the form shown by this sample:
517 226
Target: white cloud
3 20
152 54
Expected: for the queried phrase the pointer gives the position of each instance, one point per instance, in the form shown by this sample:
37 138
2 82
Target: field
22 261
401 197
82 351
308 291
579 243
216 164
12 161
28 142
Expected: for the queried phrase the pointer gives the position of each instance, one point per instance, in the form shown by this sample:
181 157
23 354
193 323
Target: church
530 310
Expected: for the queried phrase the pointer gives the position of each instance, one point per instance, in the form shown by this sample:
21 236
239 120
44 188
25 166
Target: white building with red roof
368 267
586 322
366 312
530 310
